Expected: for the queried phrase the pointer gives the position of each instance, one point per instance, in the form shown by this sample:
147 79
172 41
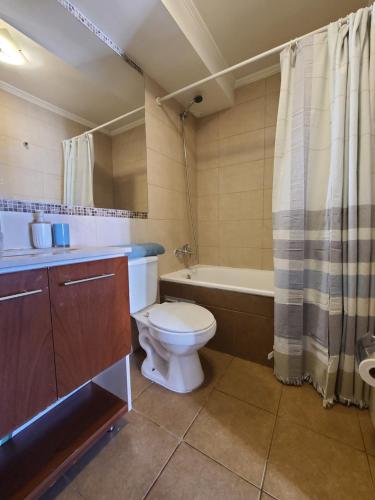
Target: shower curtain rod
129 113
241 64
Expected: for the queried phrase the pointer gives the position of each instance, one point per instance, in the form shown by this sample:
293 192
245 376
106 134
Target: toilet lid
181 317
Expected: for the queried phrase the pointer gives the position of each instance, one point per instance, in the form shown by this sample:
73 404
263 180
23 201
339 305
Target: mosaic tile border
55 208
72 9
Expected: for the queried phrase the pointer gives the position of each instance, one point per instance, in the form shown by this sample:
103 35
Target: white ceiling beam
188 19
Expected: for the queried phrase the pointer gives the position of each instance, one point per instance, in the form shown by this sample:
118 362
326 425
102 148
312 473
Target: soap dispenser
41 231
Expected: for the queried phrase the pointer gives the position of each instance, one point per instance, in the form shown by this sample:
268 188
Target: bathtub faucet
184 251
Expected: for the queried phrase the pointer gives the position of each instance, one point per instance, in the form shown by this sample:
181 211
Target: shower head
196 100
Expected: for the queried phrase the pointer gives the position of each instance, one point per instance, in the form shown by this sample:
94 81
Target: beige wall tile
165 172
240 257
241 206
208 182
267 204
165 203
244 156
267 259
248 92
163 139
208 207
172 234
243 177
272 104
208 155
168 216
242 148
269 141
241 234
268 173
243 117
209 255
207 233
208 129
273 83
53 188
267 233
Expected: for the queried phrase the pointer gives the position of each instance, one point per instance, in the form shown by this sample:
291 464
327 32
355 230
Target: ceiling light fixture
9 52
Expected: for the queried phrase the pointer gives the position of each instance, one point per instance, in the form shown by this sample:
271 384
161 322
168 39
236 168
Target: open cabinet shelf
34 459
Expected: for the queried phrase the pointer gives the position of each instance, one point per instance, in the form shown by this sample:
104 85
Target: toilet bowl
171 334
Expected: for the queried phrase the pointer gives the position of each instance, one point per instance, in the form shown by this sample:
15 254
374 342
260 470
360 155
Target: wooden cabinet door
27 370
90 317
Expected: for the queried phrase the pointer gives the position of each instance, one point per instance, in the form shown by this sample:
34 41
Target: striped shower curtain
323 208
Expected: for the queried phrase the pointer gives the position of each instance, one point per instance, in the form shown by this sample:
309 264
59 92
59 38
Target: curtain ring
293 50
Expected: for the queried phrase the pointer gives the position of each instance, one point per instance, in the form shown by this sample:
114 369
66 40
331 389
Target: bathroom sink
30 252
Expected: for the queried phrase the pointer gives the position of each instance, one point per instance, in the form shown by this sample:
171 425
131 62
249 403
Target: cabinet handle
19 295
93 278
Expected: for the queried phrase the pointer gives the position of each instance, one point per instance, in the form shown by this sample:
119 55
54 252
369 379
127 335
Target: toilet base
180 374
172 360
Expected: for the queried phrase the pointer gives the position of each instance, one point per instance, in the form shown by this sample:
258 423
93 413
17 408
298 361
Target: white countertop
29 258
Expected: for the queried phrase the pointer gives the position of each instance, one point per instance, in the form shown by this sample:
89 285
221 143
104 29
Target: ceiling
175 42
67 65
245 28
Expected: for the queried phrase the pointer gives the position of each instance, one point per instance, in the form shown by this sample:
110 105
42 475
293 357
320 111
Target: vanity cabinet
59 328
90 317
27 367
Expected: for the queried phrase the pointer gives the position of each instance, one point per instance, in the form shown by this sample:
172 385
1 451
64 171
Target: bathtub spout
184 251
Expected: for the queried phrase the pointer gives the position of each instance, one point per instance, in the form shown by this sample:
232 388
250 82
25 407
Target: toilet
171 333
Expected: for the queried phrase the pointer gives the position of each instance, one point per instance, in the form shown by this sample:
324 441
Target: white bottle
41 231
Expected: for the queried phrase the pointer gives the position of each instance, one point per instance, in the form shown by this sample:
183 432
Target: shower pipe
193 226
241 64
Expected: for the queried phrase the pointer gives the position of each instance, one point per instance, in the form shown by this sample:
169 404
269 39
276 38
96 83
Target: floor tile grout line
271 441
142 391
363 450
181 438
206 400
362 434
367 454
161 471
221 464
244 401
269 494
197 414
147 417
371 474
325 435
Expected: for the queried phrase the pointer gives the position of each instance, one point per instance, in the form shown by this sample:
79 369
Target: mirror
57 86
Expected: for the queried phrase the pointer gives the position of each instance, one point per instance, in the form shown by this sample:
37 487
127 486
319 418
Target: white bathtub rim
221 286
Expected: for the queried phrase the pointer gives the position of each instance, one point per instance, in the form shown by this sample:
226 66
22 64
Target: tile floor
242 435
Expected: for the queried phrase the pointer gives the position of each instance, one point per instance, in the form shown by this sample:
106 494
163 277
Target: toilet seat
181 318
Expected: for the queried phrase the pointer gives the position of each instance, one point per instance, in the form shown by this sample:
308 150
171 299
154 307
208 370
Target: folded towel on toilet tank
145 250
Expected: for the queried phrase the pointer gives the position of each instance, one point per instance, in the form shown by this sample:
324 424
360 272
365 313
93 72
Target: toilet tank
143 282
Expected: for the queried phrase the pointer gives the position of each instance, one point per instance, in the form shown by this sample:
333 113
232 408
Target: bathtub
252 281
241 301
